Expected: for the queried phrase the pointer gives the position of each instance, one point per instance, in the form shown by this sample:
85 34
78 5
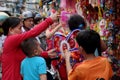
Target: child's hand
67 54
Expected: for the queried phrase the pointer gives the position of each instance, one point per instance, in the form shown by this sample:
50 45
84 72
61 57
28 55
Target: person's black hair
10 22
28 46
36 20
76 22
89 40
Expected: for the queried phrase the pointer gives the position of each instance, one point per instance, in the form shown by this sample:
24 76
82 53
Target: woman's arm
34 31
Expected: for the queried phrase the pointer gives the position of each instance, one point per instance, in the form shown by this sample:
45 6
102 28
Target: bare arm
67 60
43 77
51 33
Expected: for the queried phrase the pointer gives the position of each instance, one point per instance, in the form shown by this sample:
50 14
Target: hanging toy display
103 16
102 4
88 11
68 4
64 45
64 17
93 2
57 38
71 39
70 44
83 4
78 8
75 54
102 28
62 3
62 42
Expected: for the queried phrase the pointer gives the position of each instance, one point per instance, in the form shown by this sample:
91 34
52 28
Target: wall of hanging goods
102 16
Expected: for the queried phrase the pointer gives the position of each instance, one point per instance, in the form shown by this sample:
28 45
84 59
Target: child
92 68
33 67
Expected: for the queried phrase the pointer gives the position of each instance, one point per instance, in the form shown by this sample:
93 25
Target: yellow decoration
40 3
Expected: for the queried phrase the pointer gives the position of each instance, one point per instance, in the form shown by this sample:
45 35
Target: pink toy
65 16
68 4
63 4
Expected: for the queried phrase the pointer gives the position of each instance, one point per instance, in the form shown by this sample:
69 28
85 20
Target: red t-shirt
12 54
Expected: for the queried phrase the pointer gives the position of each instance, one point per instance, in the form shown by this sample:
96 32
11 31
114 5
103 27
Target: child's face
38 50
